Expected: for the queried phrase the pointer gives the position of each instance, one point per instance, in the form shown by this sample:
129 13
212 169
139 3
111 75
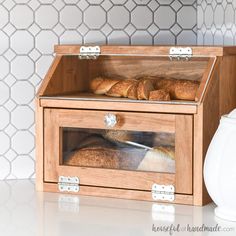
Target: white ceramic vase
220 168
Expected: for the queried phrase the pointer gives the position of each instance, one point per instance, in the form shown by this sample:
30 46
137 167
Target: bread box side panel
67 74
206 122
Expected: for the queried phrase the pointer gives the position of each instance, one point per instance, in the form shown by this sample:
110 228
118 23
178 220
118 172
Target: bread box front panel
122 150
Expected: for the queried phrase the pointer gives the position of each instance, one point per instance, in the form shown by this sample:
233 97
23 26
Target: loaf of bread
131 158
158 160
108 158
186 90
179 89
98 152
105 150
99 157
166 84
159 95
132 92
95 82
146 88
104 85
121 88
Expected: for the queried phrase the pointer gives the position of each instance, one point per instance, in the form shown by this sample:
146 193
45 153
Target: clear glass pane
116 149
129 78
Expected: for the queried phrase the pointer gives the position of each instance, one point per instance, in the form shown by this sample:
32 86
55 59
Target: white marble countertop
24 212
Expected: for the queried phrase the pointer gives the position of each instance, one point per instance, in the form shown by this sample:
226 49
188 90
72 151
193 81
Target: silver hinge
177 53
68 184
89 52
163 192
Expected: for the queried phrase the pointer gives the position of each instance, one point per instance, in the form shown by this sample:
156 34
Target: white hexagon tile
30 28
216 22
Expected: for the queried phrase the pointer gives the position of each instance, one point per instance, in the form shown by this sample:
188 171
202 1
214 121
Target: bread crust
132 92
179 89
158 160
95 83
145 86
159 95
99 157
186 90
166 84
121 88
105 85
108 158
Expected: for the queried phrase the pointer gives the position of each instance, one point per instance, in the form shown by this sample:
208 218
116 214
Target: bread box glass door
129 78
122 150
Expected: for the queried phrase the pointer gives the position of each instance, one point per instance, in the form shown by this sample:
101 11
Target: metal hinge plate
163 192
68 184
180 53
89 52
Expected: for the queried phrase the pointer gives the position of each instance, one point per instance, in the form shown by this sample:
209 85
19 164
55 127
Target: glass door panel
119 149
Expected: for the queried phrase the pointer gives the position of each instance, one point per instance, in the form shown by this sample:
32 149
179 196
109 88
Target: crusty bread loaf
158 160
159 95
145 86
132 92
179 89
95 82
109 158
153 79
165 84
131 158
105 85
99 157
121 88
186 90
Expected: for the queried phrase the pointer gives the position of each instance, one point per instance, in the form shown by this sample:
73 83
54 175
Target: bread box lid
76 65
147 50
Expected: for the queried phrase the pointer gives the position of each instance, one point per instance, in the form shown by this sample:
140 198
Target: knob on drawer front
110 120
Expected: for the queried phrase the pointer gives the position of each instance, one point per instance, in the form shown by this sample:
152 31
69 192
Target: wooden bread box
131 122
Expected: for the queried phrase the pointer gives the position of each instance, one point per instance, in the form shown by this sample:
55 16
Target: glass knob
110 120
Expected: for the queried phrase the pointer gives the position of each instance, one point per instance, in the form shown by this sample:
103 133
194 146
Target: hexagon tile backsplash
216 22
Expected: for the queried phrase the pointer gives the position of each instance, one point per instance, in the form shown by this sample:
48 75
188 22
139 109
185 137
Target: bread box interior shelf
122 119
